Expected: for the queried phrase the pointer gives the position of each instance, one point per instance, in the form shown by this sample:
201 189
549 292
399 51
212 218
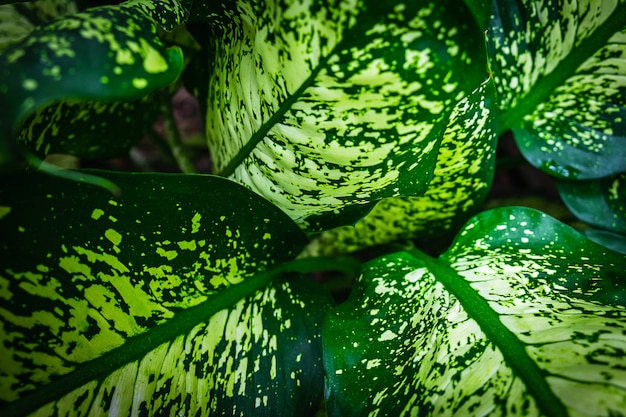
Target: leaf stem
509 345
172 137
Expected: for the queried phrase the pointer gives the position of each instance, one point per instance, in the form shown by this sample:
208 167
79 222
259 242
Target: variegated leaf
89 129
522 316
461 180
20 18
560 70
83 271
324 107
261 356
600 202
107 53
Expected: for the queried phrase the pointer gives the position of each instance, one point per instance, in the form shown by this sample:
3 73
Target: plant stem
172 137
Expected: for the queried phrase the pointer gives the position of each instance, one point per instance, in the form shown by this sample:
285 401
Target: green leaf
89 129
460 183
324 109
103 293
600 202
610 240
559 70
521 316
109 53
481 10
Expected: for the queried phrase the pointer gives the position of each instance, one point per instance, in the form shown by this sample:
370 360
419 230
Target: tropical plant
340 258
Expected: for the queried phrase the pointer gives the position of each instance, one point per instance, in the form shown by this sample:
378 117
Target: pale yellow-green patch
167 254
29 84
106 258
195 223
153 62
4 210
113 236
139 83
187 245
96 214
124 57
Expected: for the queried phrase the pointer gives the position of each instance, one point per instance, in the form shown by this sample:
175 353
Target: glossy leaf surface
82 272
461 180
261 356
325 107
89 129
600 202
559 67
521 316
108 53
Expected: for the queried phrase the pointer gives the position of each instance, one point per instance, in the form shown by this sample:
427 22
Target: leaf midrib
546 85
512 349
284 107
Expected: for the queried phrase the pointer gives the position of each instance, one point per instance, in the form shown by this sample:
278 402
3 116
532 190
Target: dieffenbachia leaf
521 316
19 19
600 202
89 129
613 241
82 271
109 53
261 356
460 183
324 108
559 70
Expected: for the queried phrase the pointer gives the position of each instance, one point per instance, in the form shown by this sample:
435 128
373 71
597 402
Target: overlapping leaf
261 357
84 273
109 54
325 107
560 70
600 202
461 180
521 316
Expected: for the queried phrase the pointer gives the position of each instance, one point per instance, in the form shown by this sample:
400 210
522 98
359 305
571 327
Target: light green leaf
521 316
324 108
109 53
260 356
136 259
460 183
559 68
600 202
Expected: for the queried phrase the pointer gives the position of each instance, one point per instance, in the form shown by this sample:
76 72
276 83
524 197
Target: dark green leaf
481 9
600 202
611 240
460 183
326 107
89 129
559 69
521 316
109 53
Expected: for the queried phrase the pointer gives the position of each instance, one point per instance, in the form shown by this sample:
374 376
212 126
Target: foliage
353 145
